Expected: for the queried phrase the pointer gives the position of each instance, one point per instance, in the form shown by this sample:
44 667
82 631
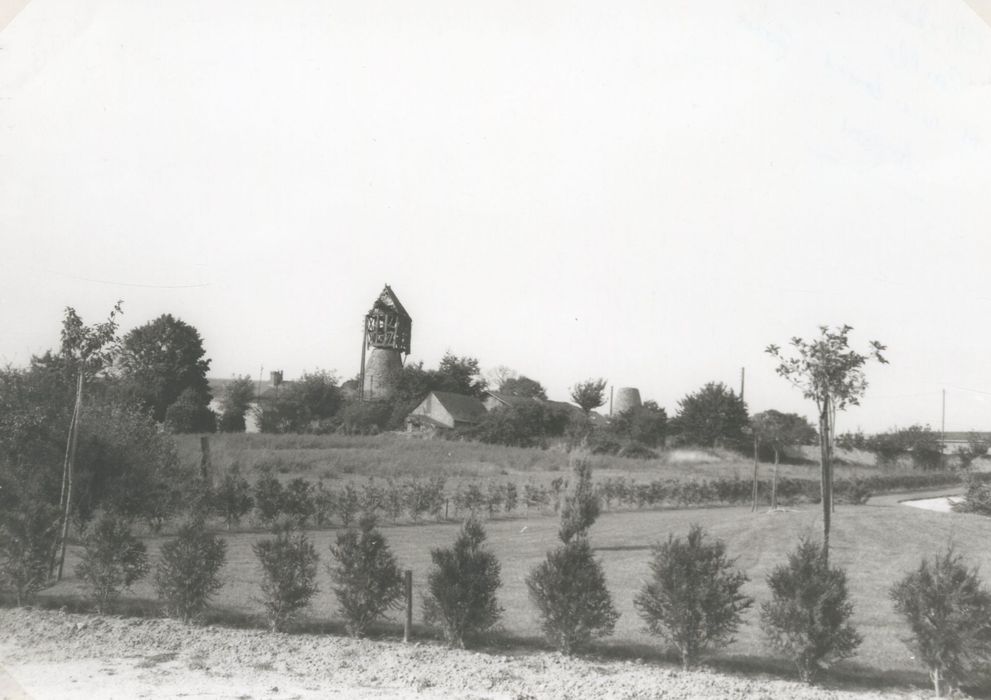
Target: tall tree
524 387
712 415
831 374
85 352
589 394
237 398
162 359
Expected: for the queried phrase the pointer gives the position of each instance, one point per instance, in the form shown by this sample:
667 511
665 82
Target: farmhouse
442 409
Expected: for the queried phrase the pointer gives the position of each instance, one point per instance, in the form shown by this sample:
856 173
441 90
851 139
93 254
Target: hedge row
305 503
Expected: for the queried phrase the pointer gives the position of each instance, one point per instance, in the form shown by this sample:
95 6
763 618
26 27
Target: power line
128 284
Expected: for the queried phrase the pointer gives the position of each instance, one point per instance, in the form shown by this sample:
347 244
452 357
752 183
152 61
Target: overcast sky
650 192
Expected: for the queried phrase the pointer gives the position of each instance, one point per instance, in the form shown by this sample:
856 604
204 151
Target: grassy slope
355 457
875 544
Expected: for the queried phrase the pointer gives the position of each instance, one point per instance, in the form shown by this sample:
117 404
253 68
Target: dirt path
54 655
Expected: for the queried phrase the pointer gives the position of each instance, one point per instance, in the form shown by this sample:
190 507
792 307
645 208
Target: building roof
462 408
389 301
508 399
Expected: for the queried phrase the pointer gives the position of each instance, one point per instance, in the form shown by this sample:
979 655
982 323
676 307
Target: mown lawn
875 544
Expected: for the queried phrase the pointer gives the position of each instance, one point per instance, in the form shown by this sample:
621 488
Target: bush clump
269 497
808 615
231 499
693 599
289 573
367 578
113 560
461 587
28 534
188 573
949 613
569 590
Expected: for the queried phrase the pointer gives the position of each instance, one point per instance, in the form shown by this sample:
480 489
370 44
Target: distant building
442 409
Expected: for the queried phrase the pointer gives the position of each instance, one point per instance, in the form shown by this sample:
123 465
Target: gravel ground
48 654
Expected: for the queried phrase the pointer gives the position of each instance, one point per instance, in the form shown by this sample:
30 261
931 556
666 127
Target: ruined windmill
388 328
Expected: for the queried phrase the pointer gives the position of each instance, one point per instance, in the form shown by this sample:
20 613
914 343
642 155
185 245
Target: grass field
876 544
339 457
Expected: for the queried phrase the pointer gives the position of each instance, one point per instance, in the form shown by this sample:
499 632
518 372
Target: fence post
408 594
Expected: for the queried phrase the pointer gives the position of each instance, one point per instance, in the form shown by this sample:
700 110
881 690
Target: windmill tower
387 334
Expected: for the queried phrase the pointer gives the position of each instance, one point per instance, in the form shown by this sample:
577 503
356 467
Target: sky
649 192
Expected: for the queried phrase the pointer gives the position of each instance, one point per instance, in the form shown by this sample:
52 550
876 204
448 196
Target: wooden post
753 505
70 473
408 595
205 458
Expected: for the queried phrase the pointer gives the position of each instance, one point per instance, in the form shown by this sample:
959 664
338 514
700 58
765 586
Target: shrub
569 587
372 497
394 500
693 600
461 587
289 572
365 417
949 613
348 504
569 590
636 450
512 497
581 506
977 498
28 533
113 560
808 615
188 573
297 501
269 497
471 499
324 504
232 500
367 577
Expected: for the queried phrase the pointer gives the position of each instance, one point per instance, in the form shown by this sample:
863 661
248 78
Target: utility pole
942 432
743 381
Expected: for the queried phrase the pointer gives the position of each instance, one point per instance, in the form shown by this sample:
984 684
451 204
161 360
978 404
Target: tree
367 578
569 586
521 424
524 387
808 615
778 430
645 424
305 405
589 394
459 375
713 415
190 414
827 371
949 612
693 599
86 351
920 442
461 587
162 359
238 396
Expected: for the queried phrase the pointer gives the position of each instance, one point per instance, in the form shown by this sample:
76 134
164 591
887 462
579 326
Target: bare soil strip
57 655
